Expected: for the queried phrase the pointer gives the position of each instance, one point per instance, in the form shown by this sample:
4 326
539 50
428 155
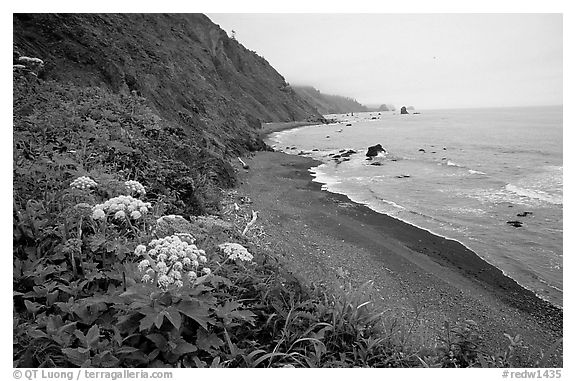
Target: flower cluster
121 207
135 186
236 251
83 182
171 260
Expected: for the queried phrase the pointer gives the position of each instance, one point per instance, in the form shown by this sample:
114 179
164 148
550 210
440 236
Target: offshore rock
375 150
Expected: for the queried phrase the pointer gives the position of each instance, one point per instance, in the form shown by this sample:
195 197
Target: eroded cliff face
186 67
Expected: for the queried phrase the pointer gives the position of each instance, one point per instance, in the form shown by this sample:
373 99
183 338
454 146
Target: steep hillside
328 104
186 67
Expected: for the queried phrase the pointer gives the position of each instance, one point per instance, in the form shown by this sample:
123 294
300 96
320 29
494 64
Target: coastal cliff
186 67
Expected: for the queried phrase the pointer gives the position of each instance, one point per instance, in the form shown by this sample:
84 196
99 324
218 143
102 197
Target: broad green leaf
126 350
105 360
197 312
227 308
67 328
174 316
183 347
37 334
229 311
159 319
76 355
147 322
52 297
80 335
199 363
158 339
32 307
93 336
206 340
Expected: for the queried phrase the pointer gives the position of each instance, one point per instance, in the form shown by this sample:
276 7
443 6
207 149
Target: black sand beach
326 238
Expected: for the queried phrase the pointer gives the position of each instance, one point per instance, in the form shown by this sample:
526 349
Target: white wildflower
98 214
236 251
164 281
83 182
202 259
146 278
135 208
175 256
119 215
177 275
162 267
143 265
135 186
206 271
140 249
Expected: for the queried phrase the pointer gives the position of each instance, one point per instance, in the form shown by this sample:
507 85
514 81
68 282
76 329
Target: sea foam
535 194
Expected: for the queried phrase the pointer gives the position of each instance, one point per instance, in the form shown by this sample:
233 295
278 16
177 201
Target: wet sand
423 278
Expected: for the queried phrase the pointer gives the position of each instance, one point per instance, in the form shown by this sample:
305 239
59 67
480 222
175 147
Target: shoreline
269 128
413 266
440 236
463 258
268 140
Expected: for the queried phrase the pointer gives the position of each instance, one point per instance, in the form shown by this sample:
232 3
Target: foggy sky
425 60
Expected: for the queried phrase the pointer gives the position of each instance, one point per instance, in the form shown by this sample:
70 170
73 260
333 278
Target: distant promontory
328 104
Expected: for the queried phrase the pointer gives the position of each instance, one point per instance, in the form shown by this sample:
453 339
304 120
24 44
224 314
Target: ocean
461 174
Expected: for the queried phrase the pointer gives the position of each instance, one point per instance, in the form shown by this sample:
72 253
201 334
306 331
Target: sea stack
403 110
